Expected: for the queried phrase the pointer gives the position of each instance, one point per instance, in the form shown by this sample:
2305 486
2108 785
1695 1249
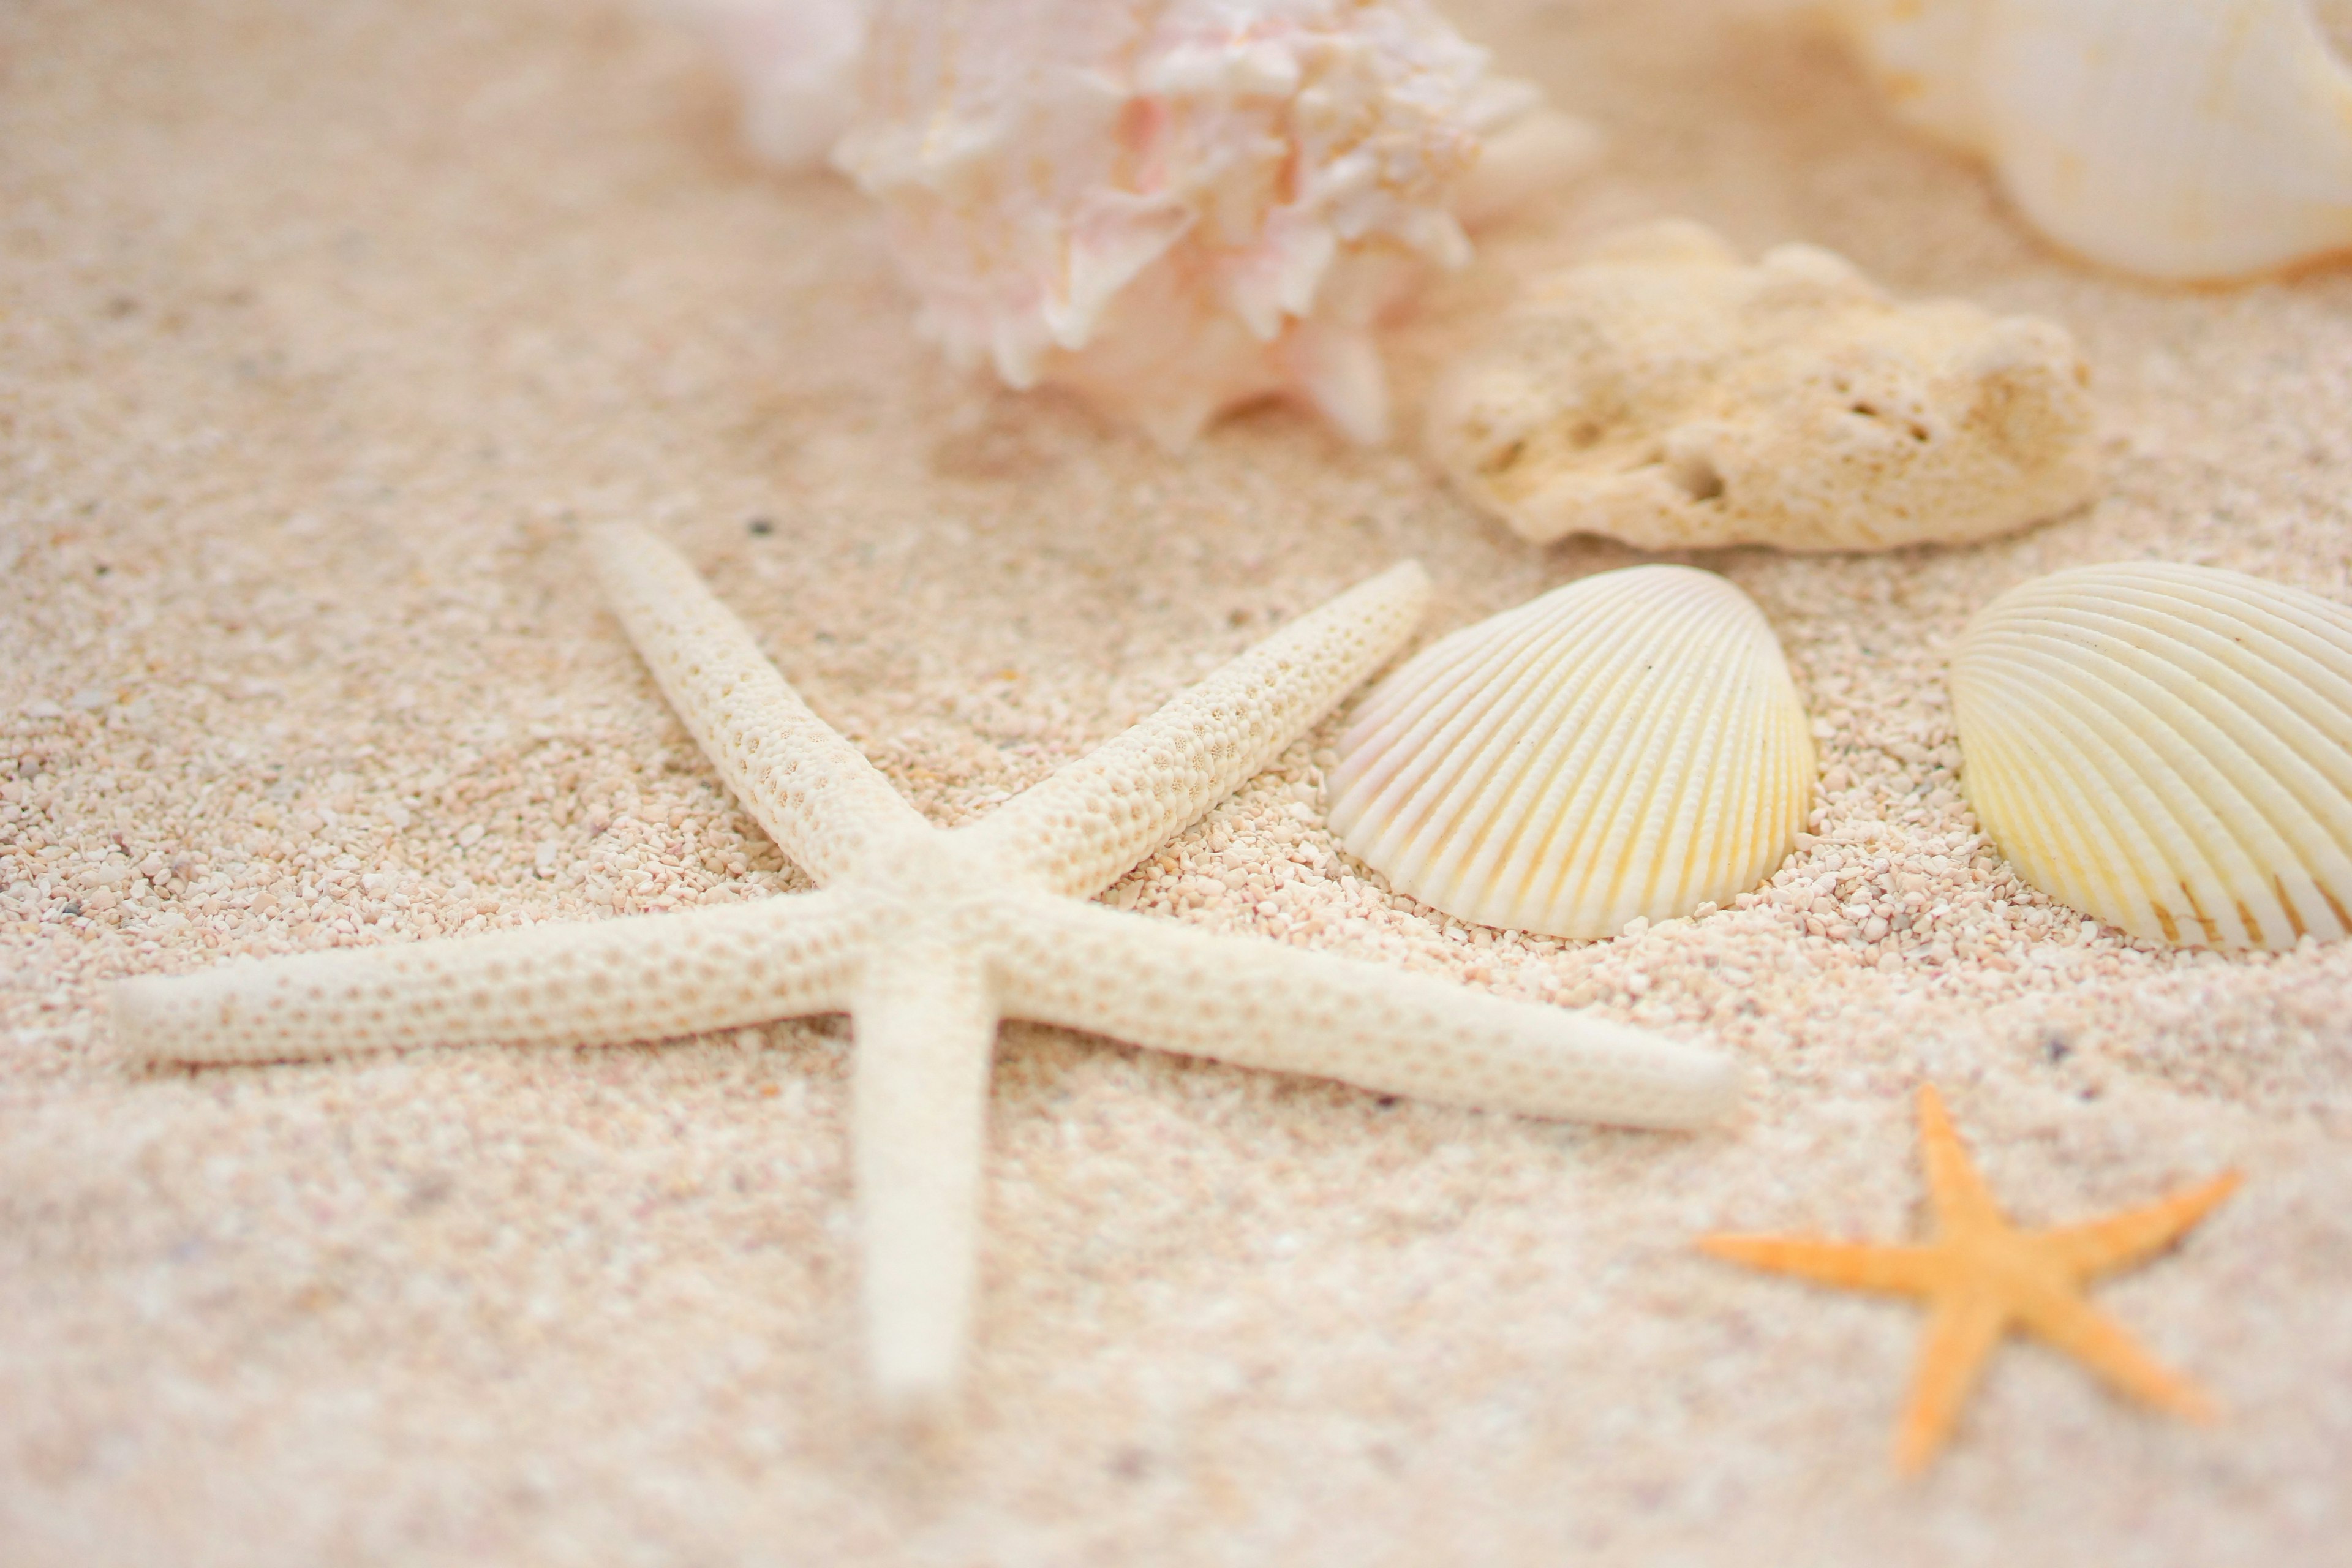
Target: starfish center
936 872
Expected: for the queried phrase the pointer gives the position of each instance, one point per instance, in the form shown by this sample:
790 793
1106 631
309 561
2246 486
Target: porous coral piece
1666 394
1174 206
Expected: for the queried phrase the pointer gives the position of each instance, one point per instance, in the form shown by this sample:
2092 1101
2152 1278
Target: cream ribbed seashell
2169 748
2181 139
1628 745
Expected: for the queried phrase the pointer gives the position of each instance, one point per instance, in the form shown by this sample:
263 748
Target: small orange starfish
1983 1275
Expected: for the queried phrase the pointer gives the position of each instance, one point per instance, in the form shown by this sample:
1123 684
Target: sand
322 330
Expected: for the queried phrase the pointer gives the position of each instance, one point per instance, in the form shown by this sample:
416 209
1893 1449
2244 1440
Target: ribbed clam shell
1630 745
2169 748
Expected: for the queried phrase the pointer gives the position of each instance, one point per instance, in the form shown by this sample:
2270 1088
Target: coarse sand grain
323 331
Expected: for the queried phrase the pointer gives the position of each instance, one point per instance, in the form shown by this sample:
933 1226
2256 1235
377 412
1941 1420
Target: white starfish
927 937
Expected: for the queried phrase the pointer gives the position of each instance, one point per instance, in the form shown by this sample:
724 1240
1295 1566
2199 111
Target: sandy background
323 327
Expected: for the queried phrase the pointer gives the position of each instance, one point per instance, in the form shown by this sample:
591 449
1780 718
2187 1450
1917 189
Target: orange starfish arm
1959 1195
2081 1329
1855 1265
1951 1358
2103 1246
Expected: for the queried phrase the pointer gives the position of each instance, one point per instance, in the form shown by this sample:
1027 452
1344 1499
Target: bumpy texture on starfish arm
589 985
815 795
927 937
1258 1004
1085 828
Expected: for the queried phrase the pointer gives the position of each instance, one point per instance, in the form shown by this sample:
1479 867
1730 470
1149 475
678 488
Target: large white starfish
927 937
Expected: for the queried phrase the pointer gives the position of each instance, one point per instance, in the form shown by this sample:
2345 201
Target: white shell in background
1174 206
1666 393
2169 748
2178 139
1628 745
796 62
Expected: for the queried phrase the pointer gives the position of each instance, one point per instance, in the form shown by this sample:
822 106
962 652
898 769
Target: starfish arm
1263 1005
1961 1338
2082 1331
814 793
926 1023
1956 1190
1850 1265
639 978
2103 1245
1081 829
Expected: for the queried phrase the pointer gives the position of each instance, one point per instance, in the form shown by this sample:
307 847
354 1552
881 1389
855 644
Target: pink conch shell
1174 206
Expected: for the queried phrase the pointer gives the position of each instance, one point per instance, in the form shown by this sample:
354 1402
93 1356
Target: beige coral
1666 394
927 937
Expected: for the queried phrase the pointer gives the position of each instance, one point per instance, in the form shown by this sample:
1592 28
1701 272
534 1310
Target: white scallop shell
2169 748
1174 206
1628 745
2178 138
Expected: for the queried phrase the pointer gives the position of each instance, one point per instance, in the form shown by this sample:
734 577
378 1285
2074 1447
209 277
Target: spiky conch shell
2167 747
1628 745
2178 139
1175 206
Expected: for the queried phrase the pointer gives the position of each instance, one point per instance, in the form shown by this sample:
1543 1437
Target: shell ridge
1487 798
2224 676
2080 855
1396 757
2145 750
1685 846
1617 770
2308 798
2279 807
1747 815
1602 769
1568 733
1781 785
1555 843
2300 653
1665 747
1708 852
1589 775
2167 747
1418 801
